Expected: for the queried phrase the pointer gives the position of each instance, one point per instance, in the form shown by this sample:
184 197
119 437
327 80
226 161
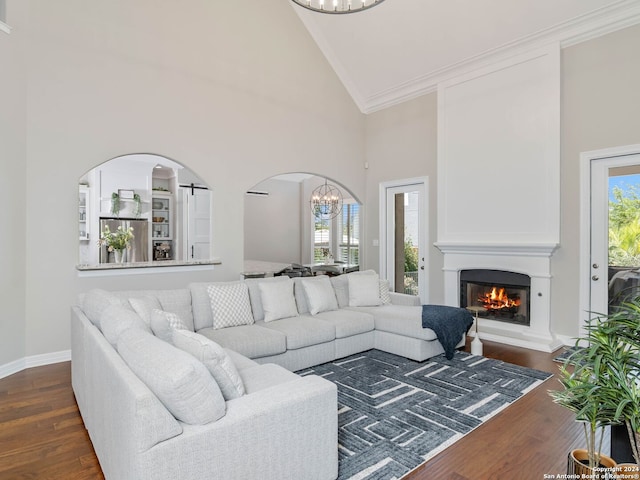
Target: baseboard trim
34 361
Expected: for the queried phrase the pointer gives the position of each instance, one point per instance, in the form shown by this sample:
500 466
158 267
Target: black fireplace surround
480 287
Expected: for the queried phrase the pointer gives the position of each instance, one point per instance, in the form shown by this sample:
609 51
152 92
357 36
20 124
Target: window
339 237
322 239
349 231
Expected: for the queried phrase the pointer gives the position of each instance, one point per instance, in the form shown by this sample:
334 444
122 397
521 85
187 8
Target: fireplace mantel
532 259
506 249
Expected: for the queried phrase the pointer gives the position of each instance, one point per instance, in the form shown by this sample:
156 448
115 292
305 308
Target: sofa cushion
300 296
180 382
163 323
266 376
364 290
214 358
116 319
341 285
319 294
230 305
348 322
399 319
176 301
252 341
278 300
240 361
255 296
201 304
303 331
95 302
143 306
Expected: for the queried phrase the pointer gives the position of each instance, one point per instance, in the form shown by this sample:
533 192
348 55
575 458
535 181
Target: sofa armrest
404 299
289 430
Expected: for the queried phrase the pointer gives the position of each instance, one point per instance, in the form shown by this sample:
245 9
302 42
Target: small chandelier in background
326 201
338 6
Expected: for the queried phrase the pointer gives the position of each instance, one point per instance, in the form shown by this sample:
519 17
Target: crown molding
597 23
594 24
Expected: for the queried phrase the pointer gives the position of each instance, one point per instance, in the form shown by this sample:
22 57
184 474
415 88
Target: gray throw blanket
448 323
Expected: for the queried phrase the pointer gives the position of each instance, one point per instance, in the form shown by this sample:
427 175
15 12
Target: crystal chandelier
326 201
337 6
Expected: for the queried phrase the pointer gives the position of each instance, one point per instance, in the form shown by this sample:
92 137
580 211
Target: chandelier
326 201
337 6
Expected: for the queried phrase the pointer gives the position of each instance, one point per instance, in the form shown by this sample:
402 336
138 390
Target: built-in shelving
162 228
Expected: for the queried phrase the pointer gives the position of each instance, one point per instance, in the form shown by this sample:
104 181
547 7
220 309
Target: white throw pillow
143 306
163 324
180 382
320 294
364 291
213 356
116 319
96 302
278 300
230 304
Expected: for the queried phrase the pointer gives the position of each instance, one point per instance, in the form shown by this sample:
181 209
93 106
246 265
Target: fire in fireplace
503 295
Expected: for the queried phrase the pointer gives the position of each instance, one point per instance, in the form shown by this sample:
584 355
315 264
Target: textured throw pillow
385 296
180 382
213 356
278 300
143 306
163 323
116 319
230 304
320 295
364 291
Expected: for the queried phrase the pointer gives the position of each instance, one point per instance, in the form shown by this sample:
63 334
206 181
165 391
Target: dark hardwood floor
42 435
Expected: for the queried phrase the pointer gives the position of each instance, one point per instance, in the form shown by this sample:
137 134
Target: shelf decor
116 199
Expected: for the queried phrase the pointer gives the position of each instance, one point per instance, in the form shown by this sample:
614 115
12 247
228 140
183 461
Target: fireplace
503 296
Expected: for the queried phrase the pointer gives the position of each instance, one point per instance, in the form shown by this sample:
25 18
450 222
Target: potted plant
117 241
616 340
590 399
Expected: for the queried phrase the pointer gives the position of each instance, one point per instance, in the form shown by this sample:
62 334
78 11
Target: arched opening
143 210
281 230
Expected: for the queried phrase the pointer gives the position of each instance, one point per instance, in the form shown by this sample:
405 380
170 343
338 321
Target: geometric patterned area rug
562 357
394 414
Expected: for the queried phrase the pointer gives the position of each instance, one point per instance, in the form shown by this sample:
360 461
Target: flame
498 299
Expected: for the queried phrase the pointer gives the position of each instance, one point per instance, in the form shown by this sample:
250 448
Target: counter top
123 267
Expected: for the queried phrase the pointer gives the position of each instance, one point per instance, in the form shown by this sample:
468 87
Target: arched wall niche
166 206
280 229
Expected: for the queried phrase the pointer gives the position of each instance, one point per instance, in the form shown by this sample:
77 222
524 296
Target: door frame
586 159
424 229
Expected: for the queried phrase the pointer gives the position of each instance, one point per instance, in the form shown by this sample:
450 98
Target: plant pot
627 471
118 256
578 464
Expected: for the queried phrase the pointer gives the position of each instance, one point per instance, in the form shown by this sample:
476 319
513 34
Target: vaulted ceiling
402 48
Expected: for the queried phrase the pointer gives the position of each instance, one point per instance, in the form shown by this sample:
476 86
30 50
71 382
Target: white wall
401 143
12 185
236 91
272 223
600 109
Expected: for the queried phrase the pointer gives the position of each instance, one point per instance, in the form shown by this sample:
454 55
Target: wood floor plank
42 435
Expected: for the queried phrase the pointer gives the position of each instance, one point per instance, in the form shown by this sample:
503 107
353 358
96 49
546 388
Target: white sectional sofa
154 411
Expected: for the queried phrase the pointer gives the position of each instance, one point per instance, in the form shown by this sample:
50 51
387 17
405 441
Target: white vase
118 256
